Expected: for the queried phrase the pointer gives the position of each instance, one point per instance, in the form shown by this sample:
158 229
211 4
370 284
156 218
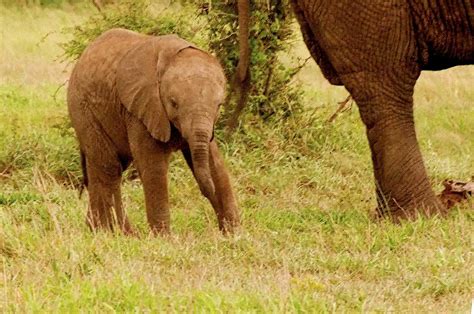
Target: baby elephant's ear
138 89
138 82
169 46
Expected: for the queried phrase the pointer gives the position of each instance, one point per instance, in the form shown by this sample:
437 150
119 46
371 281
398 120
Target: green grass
308 242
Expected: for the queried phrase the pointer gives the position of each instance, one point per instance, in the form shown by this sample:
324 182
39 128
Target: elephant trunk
199 145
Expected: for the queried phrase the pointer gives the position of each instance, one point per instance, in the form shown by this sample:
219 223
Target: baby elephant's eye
174 104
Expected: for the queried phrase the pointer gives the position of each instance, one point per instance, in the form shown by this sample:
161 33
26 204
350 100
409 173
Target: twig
5 171
43 39
269 78
58 89
98 5
340 109
301 65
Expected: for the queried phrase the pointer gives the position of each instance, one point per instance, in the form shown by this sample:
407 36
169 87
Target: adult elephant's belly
444 32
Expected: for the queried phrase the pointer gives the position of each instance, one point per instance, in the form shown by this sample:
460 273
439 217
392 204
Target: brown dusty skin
377 49
137 97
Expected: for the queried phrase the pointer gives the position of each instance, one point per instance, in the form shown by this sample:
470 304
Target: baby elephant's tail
85 179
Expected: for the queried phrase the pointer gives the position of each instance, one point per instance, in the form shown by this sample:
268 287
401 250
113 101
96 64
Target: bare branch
341 108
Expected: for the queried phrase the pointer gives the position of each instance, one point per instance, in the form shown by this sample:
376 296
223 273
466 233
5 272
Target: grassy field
308 242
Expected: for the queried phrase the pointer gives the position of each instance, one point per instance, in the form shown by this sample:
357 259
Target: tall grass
308 242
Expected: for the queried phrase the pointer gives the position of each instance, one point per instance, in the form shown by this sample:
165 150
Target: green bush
135 15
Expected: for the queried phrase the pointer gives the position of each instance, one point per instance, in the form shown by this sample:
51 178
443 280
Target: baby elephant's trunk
199 144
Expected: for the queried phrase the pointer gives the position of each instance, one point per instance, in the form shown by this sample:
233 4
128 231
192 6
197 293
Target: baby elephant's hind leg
106 209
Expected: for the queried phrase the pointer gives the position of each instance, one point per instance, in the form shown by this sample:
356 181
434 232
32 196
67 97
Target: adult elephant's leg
223 202
151 159
385 101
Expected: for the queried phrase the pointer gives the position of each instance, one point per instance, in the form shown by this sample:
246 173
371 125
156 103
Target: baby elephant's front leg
151 159
224 203
154 175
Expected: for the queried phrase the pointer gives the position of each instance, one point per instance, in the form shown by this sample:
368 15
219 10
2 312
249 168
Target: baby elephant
137 97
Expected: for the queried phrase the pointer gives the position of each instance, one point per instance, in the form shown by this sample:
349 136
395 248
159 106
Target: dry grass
29 44
305 189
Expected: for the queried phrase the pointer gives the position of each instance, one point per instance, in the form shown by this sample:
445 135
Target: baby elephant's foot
229 226
128 230
96 223
161 229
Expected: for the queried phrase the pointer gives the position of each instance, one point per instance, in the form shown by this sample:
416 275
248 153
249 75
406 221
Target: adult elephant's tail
243 7
242 76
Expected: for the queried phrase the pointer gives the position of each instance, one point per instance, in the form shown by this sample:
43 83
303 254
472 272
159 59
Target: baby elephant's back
93 77
92 97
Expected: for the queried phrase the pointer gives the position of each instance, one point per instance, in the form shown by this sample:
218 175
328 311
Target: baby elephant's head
165 81
192 90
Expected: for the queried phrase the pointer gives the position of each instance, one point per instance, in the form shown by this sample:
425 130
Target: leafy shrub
135 15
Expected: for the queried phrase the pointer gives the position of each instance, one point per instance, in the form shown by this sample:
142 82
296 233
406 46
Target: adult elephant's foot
403 187
424 205
402 184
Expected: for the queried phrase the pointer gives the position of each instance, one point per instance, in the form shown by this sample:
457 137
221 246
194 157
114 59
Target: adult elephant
377 49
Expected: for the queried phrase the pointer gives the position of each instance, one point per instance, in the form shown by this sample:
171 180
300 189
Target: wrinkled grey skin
137 97
377 50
